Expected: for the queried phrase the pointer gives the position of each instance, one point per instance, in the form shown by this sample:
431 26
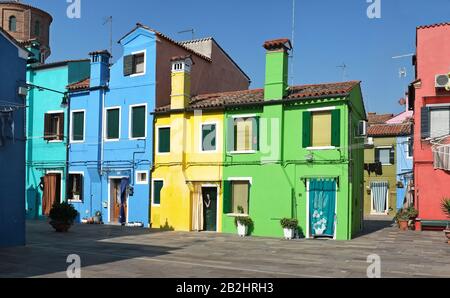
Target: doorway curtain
49 195
379 192
198 220
322 207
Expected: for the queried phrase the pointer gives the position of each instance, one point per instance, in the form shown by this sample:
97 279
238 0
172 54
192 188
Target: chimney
99 68
181 82
277 58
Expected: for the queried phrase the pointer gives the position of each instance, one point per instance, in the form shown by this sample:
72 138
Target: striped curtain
380 192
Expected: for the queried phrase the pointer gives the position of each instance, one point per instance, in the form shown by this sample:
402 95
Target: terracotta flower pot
403 224
60 227
447 233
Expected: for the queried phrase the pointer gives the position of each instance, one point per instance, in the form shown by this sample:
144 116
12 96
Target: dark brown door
115 200
52 192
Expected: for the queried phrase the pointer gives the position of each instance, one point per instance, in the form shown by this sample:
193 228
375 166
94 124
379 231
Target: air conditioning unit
23 91
442 80
362 129
369 141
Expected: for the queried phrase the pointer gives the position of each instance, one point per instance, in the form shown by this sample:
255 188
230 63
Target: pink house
431 104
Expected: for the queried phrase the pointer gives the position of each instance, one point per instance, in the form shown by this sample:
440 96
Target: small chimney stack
277 60
181 82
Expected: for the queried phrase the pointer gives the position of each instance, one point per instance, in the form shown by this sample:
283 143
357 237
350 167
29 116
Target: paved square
111 251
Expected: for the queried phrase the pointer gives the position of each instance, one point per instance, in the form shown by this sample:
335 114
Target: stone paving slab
112 251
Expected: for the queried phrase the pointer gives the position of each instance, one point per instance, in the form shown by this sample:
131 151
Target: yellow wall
185 166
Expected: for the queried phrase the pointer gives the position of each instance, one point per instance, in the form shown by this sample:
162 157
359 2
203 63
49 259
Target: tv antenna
293 44
109 20
402 73
192 31
343 67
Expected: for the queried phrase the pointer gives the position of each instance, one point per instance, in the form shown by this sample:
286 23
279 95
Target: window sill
53 142
243 152
137 75
321 148
237 215
111 140
75 201
138 139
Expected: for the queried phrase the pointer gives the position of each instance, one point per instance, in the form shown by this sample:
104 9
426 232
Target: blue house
111 126
13 59
405 172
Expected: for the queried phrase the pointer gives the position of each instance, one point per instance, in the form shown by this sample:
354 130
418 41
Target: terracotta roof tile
389 130
278 43
375 118
83 84
434 25
256 96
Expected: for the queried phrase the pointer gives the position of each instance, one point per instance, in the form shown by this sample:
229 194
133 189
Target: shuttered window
78 126
54 126
321 129
112 124
134 64
385 156
209 135
157 187
164 140
246 134
240 196
138 122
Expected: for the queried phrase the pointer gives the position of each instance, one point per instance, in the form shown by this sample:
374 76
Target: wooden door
115 200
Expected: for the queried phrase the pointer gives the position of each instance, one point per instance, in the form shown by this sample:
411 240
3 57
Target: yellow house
186 192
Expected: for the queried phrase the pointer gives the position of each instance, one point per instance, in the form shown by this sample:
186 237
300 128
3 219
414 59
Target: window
245 134
164 140
141 177
54 126
156 193
209 135
113 123
138 125
385 155
239 196
439 122
134 64
37 28
410 148
75 187
77 131
321 129
12 24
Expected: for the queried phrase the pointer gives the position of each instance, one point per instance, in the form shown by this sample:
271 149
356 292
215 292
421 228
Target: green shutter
227 197
138 122
164 140
78 126
307 141
157 187
112 123
128 65
336 128
231 135
209 135
255 138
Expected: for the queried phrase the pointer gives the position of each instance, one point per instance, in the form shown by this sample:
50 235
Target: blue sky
328 33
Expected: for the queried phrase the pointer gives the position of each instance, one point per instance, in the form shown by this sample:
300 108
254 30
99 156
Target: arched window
37 28
12 24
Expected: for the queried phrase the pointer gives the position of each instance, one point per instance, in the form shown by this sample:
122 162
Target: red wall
433 57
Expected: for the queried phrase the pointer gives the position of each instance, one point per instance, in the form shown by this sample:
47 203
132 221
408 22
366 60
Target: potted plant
446 209
62 216
243 223
98 217
403 218
289 225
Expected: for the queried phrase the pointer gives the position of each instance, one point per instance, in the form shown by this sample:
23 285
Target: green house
294 152
47 131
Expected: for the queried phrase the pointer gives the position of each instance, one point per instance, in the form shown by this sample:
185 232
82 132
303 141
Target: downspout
102 133
68 142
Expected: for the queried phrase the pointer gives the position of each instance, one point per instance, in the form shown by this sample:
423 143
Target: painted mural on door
322 207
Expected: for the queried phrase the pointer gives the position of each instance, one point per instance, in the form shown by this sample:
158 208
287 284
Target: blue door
322 207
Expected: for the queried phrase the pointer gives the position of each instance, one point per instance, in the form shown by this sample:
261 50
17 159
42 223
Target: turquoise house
47 130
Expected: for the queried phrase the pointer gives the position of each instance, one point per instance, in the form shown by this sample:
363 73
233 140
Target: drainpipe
102 133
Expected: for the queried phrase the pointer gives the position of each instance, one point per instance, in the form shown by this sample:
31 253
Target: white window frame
142 182
234 117
105 123
216 124
71 126
56 112
157 140
241 179
130 121
153 191
145 63
82 175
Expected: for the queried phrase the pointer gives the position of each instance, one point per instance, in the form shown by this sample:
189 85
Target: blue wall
124 157
404 168
12 153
